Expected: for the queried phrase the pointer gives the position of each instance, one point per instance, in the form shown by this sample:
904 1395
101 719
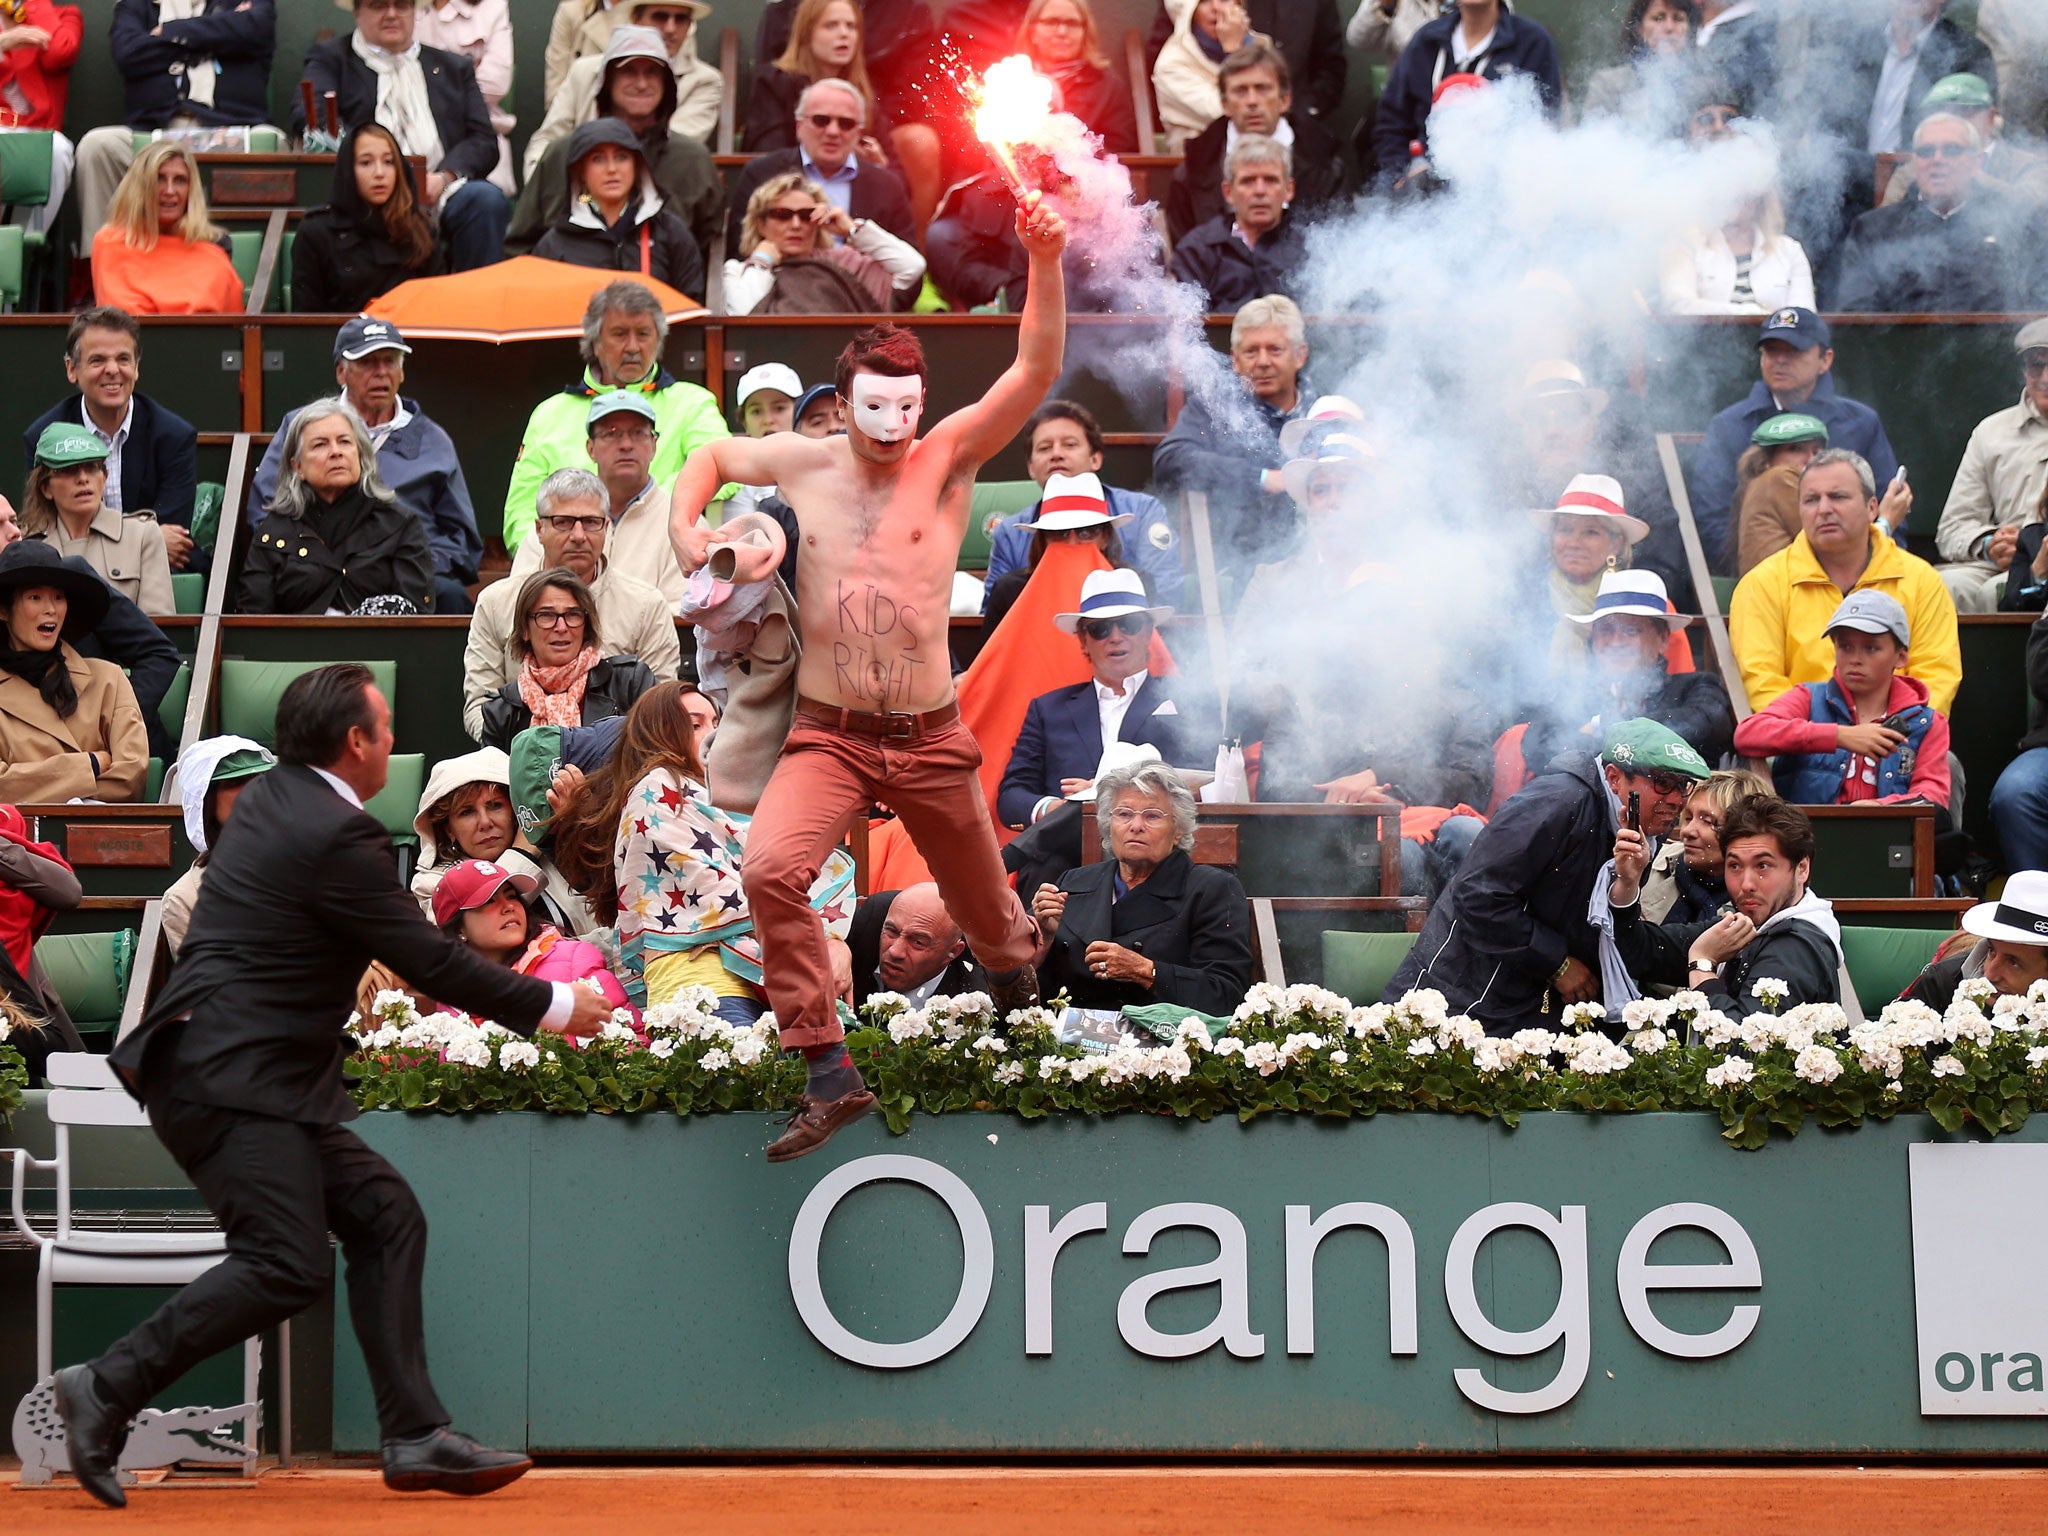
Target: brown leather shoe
1011 991
815 1121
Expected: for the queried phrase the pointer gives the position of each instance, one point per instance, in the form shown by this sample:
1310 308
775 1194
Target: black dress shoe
93 1433
444 1461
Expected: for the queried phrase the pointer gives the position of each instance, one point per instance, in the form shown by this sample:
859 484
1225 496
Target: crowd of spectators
1535 787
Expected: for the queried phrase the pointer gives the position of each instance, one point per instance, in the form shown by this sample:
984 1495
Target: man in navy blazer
152 454
474 219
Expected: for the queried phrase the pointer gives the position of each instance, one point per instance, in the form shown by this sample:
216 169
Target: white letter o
977 1273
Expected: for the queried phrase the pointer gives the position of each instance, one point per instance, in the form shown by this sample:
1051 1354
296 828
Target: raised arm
979 432
743 460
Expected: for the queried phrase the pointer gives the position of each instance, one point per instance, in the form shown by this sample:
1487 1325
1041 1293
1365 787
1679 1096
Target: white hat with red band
1074 501
1596 496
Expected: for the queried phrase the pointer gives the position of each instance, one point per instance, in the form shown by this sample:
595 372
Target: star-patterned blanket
677 862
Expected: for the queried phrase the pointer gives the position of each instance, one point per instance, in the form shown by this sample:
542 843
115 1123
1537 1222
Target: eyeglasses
1667 783
625 434
567 524
1122 624
1124 816
558 618
1947 151
823 120
786 215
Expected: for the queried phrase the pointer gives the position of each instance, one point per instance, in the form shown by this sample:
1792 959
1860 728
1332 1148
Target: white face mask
886 408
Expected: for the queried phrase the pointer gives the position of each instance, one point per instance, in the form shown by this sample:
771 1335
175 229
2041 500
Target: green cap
614 401
1970 92
242 763
1790 427
65 443
536 754
1644 746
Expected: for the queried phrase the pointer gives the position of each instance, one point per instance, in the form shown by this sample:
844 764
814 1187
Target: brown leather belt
886 724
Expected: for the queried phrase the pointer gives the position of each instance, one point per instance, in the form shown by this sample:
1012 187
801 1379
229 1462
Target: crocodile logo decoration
156 1437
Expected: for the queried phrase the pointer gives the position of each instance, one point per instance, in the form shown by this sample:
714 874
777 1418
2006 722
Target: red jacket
42 75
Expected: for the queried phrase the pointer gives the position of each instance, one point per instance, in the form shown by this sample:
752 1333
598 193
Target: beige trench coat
127 548
43 755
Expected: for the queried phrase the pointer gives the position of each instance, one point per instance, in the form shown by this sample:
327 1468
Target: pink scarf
554 695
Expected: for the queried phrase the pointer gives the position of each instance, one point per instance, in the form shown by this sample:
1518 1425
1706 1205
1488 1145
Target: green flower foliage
1301 1050
13 1080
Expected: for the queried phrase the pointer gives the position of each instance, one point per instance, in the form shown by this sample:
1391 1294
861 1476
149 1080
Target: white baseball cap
778 376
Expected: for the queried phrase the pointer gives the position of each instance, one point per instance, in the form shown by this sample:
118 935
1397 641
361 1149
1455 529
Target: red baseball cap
471 883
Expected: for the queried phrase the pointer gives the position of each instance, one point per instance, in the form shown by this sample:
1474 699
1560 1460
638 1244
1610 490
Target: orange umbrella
524 299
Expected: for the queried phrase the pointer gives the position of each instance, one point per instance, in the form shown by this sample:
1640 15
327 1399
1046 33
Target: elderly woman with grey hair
1147 924
336 540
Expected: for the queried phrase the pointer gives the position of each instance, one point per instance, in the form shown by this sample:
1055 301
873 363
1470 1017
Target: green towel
1163 1020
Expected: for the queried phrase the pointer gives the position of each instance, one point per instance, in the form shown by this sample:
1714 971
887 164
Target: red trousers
823 777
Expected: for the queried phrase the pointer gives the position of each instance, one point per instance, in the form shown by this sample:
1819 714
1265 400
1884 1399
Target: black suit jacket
1195 194
1189 919
864 938
301 894
468 146
159 462
877 194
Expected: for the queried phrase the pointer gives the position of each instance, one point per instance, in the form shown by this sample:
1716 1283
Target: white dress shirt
116 441
1894 83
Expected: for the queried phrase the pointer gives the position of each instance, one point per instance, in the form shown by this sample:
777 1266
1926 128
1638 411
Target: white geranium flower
1229 1045
1295 1046
1584 1016
717 1059
1422 1045
469 1051
1010 1073
1948 1066
1338 1058
1730 1073
912 1024
1647 1041
990 1043
1493 1055
1895 1086
2038 1056
1192 1035
1769 990
661 1047
1816 1064
1534 1042
1369 1022
1976 989
1645 1013
1263 1056
748 1049
1174 1062
1460 1030
518 1056
1050 1067
1594 1055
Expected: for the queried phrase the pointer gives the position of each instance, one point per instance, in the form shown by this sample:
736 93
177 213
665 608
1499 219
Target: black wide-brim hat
33 563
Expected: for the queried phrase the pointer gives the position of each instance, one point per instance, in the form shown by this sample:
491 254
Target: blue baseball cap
1802 327
362 336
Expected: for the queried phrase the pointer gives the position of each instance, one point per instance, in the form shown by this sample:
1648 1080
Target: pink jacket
551 957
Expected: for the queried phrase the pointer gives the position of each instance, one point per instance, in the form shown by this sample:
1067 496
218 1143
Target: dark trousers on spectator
451 596
473 223
278 1188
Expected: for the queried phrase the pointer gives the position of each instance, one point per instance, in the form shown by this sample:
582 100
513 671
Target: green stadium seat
172 710
1724 591
13 262
1883 961
1359 965
994 500
249 691
90 973
153 787
398 802
188 592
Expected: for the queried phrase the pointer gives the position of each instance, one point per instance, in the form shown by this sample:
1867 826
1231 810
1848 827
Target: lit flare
1013 106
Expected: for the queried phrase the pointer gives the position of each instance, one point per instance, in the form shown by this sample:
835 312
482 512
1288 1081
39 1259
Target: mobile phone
1897 722
1900 477
1635 811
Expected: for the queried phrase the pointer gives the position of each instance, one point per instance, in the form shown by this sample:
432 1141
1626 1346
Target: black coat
340 264
1795 952
864 939
1937 985
128 639
1694 704
1985 258
1196 193
672 256
297 565
239 35
1232 273
1310 37
2037 683
159 462
1517 908
1190 920
301 894
469 147
681 166
611 688
877 194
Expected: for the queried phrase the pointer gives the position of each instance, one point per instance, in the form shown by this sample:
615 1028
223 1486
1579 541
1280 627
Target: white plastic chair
85 1091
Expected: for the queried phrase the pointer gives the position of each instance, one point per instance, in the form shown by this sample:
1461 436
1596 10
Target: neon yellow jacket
557 436
1778 621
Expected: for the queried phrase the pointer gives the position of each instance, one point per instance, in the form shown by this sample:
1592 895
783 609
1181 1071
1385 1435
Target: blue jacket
159 462
1850 424
1062 739
1520 47
1231 273
418 462
1150 543
1815 778
240 39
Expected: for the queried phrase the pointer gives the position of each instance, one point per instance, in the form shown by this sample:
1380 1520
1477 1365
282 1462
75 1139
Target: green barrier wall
622 1285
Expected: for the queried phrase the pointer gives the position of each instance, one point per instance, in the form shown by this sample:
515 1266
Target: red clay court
1129 1500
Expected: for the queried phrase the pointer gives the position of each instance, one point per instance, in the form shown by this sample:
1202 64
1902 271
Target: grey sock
832 1074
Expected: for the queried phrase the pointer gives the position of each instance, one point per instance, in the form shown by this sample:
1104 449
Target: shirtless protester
882 514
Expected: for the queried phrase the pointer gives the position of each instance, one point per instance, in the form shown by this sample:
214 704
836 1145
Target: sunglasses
785 215
823 120
1122 624
1950 151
